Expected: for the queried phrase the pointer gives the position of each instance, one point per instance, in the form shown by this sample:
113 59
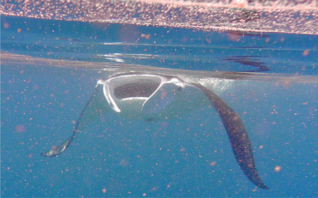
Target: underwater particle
306 52
21 72
5 25
164 124
261 146
267 40
123 163
35 87
154 189
104 190
147 36
30 156
184 39
20 128
234 37
285 85
19 30
277 168
163 95
182 150
62 105
73 121
144 194
212 163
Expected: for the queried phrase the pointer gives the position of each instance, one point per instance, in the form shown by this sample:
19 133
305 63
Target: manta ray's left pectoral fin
237 133
59 149
94 108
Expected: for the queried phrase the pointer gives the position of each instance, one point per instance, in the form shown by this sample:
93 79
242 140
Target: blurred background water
49 69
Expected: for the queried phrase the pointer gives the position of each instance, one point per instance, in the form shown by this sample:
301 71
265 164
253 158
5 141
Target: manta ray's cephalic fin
237 133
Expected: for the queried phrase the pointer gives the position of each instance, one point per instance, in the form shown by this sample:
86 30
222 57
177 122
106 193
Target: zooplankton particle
277 168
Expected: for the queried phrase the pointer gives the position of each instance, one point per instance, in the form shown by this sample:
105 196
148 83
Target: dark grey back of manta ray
236 131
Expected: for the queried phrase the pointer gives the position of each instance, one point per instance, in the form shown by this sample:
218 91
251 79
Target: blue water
40 103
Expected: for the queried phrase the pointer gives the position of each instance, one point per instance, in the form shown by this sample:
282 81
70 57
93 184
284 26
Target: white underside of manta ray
154 97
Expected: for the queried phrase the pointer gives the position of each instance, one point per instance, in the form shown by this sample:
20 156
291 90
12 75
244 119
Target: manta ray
153 97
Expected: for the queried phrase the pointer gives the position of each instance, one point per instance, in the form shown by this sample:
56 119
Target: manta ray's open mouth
153 96
137 89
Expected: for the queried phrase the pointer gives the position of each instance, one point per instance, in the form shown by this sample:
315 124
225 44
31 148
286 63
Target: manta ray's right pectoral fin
241 144
58 150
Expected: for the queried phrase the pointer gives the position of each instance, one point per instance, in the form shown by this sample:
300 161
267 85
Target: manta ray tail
237 133
62 147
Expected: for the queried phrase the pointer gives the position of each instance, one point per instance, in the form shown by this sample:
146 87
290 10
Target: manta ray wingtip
263 186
